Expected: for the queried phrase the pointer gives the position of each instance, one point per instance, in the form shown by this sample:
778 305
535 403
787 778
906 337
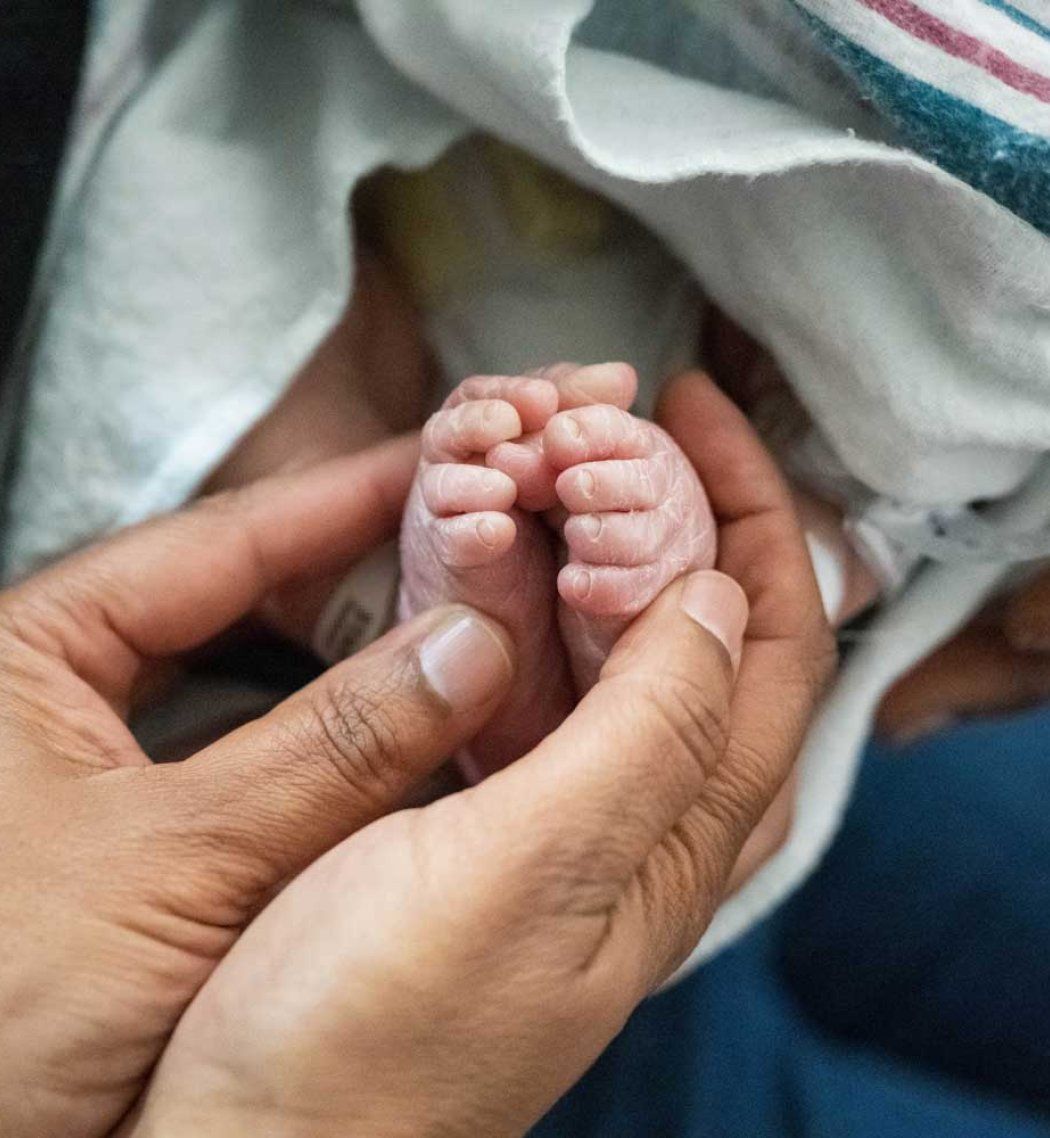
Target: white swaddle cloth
201 253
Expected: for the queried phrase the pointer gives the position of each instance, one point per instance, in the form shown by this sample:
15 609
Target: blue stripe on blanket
995 157
1019 17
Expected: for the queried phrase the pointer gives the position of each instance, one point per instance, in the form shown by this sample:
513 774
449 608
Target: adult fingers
172 584
976 673
761 543
632 815
790 652
269 798
592 800
999 662
767 837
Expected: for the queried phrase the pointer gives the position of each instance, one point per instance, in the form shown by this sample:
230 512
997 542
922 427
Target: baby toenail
587 484
486 532
592 526
582 587
572 428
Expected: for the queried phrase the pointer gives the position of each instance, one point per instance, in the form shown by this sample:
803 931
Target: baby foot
523 459
637 518
511 468
467 538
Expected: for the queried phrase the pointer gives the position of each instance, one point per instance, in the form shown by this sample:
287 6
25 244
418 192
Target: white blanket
200 253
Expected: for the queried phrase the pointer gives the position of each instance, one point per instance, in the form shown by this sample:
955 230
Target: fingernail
465 662
717 604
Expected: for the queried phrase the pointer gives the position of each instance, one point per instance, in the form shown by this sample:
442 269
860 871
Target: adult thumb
272 796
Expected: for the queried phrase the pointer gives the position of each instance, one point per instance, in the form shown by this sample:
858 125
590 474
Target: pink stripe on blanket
925 26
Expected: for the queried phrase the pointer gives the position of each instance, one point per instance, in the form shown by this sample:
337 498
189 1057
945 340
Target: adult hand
122 884
452 970
732 461
999 662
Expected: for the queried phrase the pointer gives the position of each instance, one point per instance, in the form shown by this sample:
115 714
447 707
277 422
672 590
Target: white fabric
519 307
206 254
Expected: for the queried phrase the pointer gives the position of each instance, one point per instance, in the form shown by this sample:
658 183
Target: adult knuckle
686 882
217 506
691 718
569 869
741 793
758 762
355 730
680 870
217 503
231 510
582 877
713 844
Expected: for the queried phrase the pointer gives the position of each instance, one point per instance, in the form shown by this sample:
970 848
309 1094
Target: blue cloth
903 993
937 902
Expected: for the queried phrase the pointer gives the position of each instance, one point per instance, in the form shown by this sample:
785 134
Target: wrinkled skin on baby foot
542 501
635 519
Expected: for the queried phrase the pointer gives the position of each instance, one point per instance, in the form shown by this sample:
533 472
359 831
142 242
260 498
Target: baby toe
613 383
610 590
535 399
634 538
523 461
458 488
589 434
616 485
471 540
458 433
581 385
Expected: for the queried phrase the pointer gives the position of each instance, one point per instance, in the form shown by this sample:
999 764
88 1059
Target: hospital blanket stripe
1025 19
929 28
964 100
